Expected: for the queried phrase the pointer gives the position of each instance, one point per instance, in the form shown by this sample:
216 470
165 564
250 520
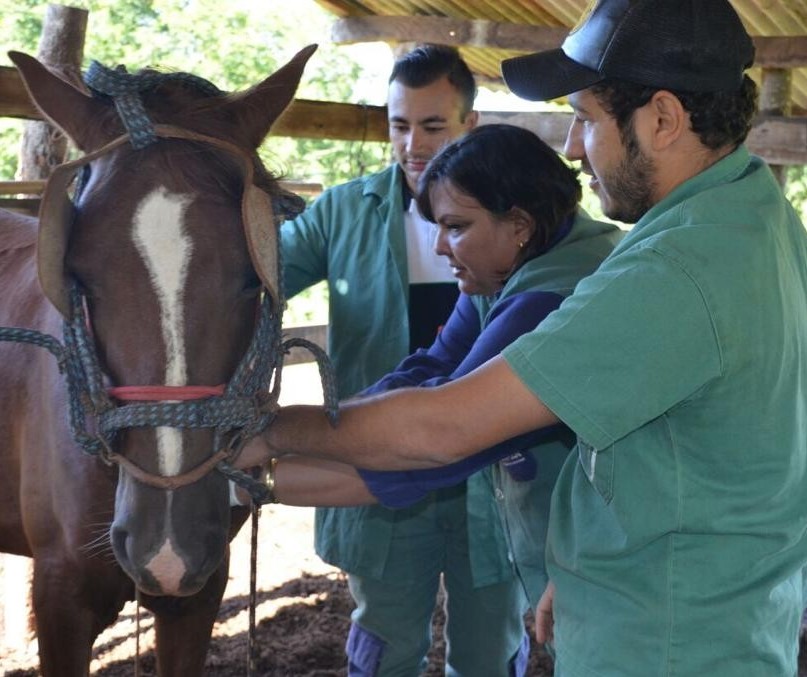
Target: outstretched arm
307 481
415 427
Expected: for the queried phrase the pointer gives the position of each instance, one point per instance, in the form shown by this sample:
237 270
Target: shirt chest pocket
598 465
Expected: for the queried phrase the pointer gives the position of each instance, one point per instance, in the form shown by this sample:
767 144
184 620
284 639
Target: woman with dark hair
510 226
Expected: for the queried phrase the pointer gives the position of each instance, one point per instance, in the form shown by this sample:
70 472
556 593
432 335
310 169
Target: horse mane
16 230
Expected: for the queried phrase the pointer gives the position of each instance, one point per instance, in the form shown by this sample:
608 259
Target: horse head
167 254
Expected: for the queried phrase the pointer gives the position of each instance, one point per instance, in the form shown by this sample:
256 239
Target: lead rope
331 402
77 361
253 590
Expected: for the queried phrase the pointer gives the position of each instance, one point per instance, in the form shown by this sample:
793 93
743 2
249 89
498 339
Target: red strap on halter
161 393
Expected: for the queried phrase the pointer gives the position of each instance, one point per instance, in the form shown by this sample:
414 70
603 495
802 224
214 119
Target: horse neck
16 230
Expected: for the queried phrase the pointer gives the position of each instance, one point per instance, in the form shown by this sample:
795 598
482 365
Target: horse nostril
117 538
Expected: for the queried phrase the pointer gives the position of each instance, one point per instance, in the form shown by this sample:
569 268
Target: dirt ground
302 615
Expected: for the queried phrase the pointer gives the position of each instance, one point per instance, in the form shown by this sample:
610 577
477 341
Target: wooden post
61 46
774 99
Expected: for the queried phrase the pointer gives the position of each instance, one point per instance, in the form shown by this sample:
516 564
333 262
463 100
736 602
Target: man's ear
668 119
471 120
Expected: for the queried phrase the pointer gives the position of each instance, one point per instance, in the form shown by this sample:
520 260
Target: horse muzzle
169 542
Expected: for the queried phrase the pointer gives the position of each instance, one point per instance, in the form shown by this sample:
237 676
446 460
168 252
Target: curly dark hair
719 119
504 167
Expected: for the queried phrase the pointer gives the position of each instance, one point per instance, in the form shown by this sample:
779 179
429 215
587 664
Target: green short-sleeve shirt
678 528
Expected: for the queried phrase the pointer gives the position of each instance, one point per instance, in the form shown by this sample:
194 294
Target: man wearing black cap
678 527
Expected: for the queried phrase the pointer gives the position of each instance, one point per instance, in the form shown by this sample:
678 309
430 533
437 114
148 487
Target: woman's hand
255 453
303 481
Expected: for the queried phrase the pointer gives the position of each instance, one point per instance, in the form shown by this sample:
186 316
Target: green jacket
353 237
524 505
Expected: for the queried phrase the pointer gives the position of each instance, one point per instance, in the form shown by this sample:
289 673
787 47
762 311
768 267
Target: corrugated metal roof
765 18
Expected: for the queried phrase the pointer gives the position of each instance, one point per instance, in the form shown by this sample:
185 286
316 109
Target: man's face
421 121
622 174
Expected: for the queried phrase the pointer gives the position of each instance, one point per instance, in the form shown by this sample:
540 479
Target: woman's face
482 248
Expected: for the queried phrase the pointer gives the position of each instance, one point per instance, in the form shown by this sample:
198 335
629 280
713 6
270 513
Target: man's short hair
719 119
428 63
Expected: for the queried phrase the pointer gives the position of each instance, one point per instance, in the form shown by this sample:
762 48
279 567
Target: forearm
360 434
440 360
402 488
320 483
415 428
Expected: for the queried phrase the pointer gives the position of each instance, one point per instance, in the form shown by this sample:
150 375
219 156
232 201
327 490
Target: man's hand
544 620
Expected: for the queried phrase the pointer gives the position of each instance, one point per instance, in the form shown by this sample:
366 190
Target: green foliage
310 306
796 189
20 24
10 131
234 44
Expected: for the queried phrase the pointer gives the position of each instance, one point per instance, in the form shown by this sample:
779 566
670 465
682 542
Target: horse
154 256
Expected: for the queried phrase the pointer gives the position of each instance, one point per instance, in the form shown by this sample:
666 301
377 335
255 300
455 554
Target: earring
521 244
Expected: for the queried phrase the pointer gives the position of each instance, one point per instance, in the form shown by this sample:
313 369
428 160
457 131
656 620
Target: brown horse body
158 249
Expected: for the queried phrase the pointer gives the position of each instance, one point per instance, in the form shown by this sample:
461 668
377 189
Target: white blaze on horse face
159 234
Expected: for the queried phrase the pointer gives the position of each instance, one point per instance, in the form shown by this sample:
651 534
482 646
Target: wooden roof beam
771 52
447 31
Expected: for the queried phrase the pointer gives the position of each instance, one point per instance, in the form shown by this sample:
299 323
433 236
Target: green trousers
391 631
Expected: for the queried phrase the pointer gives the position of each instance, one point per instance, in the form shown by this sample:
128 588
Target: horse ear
60 101
257 108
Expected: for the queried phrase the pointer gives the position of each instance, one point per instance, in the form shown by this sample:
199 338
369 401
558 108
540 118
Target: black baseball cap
684 45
